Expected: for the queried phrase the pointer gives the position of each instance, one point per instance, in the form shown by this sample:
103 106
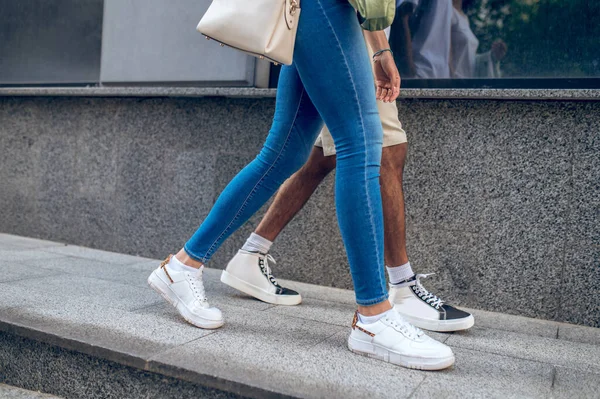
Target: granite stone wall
502 196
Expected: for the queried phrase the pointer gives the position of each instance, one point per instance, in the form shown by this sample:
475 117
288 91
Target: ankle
266 234
374 310
184 258
257 243
400 258
371 319
398 274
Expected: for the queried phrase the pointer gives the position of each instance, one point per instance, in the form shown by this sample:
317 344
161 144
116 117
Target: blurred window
50 41
499 43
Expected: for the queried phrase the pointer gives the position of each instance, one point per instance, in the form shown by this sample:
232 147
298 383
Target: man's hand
387 78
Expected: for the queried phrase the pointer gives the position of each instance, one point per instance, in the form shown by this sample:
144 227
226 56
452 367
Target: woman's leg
295 127
332 62
331 58
331 67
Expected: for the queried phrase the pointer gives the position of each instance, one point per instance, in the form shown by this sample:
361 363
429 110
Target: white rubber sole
158 285
256 292
384 354
440 325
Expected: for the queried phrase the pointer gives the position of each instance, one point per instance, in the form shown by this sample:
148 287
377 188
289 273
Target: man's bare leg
249 271
407 295
419 306
392 197
294 193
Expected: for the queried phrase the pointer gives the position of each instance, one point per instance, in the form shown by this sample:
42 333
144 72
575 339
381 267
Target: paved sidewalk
8 392
98 303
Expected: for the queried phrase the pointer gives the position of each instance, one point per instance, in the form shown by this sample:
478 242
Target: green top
375 14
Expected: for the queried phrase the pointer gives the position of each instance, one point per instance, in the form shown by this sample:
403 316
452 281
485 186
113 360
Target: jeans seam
375 301
242 207
369 204
192 255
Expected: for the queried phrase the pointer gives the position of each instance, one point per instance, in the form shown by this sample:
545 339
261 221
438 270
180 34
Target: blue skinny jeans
330 81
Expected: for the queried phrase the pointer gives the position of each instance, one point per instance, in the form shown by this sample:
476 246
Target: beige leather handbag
263 28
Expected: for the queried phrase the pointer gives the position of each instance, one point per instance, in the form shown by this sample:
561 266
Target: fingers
395 89
379 93
390 94
392 90
386 94
383 92
394 93
388 91
397 82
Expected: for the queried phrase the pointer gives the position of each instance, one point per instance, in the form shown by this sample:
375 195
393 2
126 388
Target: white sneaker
425 310
250 273
185 291
394 340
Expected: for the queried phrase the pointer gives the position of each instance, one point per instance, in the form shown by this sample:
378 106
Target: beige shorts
393 133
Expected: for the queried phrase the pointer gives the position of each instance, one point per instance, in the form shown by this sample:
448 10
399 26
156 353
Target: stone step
77 322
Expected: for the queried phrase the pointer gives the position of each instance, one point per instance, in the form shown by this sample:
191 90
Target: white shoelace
267 269
404 326
197 284
425 295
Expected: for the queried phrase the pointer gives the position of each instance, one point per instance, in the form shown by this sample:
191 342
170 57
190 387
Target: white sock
399 273
372 319
178 266
256 243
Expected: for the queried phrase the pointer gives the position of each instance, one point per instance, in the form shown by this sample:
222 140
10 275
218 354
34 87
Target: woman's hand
499 49
387 78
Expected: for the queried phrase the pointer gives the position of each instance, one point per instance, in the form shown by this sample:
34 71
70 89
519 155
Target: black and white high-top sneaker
250 272
425 310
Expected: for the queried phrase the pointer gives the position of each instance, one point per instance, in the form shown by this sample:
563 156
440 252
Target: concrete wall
502 196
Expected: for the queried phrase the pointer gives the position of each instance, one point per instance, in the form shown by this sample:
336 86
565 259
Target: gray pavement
10 392
97 303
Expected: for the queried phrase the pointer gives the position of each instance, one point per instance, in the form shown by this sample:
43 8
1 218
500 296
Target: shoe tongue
402 321
407 283
198 274
393 314
266 259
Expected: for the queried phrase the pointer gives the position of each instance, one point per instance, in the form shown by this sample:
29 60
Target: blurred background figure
464 60
420 38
